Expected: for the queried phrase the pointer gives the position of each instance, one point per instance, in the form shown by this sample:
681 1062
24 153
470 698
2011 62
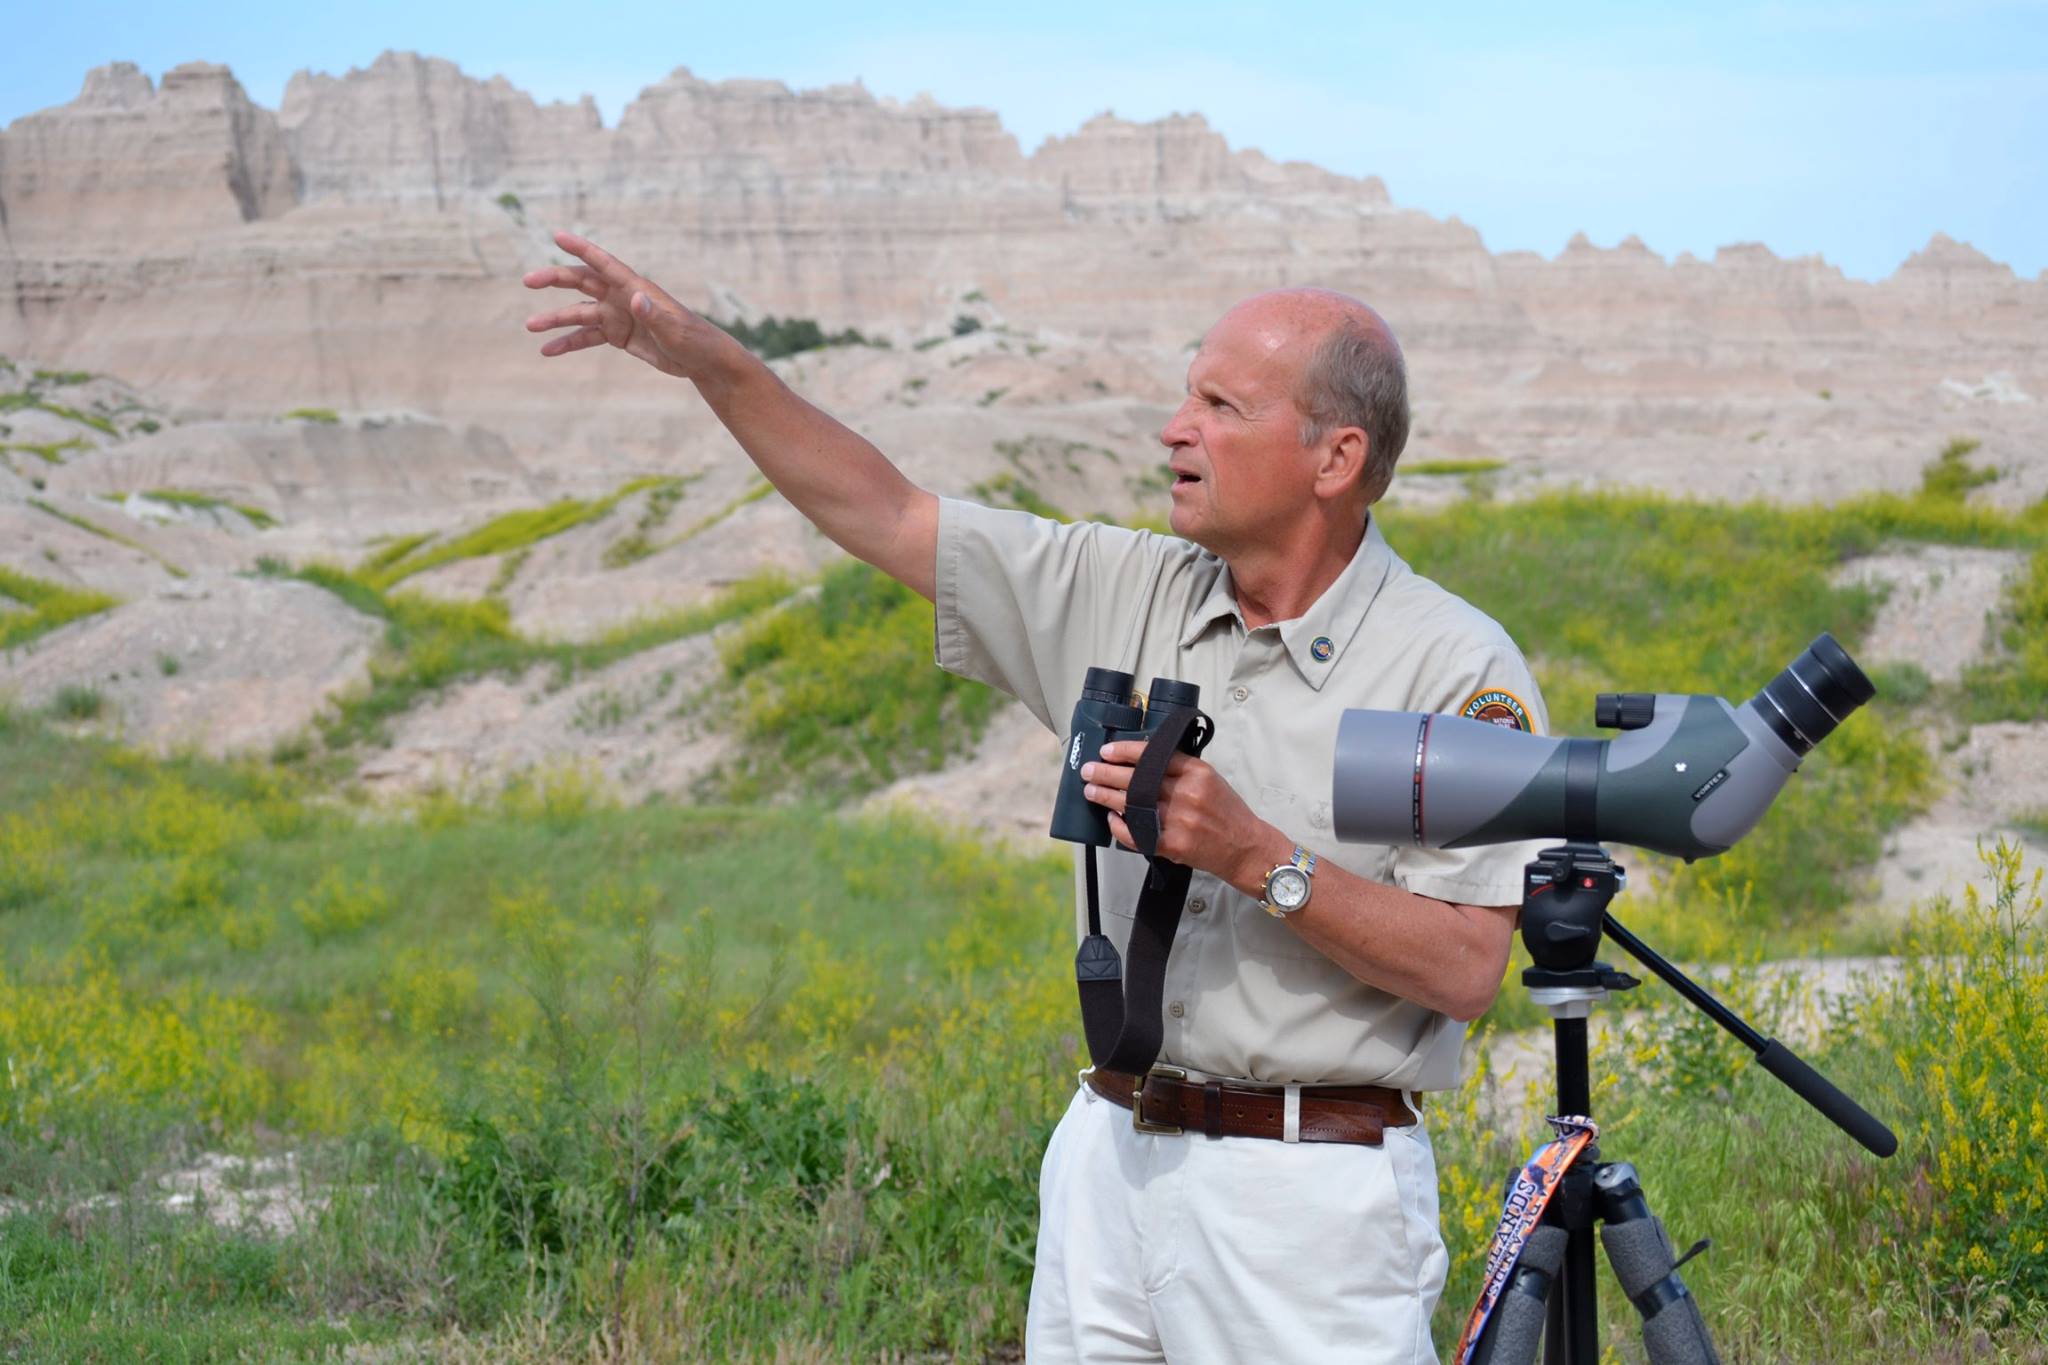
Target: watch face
1288 889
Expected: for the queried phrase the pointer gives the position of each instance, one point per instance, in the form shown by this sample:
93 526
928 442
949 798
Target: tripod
1550 1292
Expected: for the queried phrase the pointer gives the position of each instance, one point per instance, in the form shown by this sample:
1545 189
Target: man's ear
1340 463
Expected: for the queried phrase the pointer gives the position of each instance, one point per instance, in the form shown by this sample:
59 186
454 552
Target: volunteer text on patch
1498 708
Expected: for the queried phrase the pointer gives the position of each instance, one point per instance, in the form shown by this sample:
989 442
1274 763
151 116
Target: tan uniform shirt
1028 605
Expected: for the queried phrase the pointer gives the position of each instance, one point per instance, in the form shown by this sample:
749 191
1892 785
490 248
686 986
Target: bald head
1348 370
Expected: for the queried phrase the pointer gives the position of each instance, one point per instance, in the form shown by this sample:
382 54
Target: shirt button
1197 906
1176 1009
1240 693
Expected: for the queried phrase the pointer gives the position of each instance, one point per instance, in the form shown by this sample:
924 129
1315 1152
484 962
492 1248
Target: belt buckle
1138 1119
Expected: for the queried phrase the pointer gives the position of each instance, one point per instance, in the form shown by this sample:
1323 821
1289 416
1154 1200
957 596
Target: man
1288 1210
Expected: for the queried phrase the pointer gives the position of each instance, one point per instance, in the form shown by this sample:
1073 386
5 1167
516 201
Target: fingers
614 270
566 277
574 341
1111 787
575 315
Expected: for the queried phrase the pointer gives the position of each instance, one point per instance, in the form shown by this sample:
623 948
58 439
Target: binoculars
1110 710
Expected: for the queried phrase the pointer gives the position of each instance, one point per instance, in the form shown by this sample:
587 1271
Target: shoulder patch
1496 707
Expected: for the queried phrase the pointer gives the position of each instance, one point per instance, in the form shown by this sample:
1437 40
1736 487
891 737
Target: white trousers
1191 1249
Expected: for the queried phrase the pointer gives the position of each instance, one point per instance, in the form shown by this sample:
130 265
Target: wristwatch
1288 885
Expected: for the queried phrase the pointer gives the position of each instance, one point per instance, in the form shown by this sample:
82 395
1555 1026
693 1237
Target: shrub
773 338
322 416
2014 685
1951 475
75 701
1967 1028
82 1044
839 692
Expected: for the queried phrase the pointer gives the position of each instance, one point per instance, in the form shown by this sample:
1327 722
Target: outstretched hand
626 310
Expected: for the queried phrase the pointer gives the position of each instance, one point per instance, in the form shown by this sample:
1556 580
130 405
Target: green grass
94 528
29 398
1440 467
660 505
757 490
50 605
571 1072
325 417
69 414
2013 685
207 502
582 1060
513 531
431 643
1951 475
837 693
49 452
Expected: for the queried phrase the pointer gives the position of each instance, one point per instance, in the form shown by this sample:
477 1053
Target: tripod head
1565 893
1565 897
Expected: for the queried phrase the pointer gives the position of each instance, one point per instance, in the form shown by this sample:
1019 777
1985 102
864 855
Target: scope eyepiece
1624 710
1173 692
1816 692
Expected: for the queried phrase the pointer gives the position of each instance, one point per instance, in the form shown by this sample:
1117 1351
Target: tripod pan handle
1818 1091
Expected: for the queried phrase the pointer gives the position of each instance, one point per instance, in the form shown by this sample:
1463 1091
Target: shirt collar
1316 639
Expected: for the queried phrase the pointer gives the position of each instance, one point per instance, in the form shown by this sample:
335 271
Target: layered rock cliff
359 249
355 247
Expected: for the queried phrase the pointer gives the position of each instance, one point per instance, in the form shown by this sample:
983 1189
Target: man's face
1242 476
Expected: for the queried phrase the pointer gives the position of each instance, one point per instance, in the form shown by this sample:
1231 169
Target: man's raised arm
832 475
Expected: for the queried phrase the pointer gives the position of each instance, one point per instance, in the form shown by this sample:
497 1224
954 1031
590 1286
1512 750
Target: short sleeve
1492 682
1028 605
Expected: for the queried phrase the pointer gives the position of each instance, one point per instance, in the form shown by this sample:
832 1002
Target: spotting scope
1689 776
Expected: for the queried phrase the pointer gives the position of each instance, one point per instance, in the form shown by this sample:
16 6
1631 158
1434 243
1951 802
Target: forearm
1441 955
831 474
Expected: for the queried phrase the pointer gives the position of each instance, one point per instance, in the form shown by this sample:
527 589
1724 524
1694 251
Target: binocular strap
1120 1013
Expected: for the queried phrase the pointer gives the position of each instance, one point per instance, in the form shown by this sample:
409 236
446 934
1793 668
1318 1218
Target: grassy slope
723 1082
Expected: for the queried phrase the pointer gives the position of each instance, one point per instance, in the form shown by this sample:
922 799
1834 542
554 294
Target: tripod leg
1517 1323
1674 1333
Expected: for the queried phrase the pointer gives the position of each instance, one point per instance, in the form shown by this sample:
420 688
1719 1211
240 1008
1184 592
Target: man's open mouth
1181 478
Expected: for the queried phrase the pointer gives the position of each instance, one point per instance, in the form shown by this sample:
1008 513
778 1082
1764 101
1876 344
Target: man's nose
1176 432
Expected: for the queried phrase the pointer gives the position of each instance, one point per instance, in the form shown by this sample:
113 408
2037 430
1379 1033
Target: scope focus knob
1624 710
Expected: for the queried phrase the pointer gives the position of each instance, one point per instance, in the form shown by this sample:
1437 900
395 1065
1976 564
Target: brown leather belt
1166 1101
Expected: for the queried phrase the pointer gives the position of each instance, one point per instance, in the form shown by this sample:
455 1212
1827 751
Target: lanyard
1120 1000
1529 1194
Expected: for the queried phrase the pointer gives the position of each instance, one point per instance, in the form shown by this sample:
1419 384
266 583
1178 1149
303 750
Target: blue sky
1854 130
